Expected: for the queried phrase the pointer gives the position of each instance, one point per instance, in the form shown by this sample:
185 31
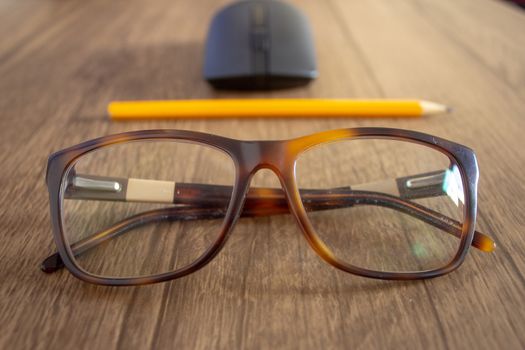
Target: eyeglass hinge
85 183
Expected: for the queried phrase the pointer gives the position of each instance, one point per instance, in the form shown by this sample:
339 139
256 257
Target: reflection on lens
142 208
391 206
453 186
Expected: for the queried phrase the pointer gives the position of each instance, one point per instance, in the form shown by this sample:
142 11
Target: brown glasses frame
279 156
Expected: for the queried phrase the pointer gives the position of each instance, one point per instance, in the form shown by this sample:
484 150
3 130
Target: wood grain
62 62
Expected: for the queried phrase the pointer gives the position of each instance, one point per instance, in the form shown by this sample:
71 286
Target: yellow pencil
276 108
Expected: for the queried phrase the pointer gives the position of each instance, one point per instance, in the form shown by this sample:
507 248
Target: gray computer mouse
259 44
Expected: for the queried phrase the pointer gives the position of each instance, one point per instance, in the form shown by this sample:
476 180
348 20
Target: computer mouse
259 44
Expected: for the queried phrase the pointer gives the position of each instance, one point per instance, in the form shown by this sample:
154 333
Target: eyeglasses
150 206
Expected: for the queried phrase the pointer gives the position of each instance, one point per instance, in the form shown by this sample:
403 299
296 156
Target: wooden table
61 62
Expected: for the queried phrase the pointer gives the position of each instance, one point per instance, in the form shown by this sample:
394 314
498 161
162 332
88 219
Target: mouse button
227 52
292 50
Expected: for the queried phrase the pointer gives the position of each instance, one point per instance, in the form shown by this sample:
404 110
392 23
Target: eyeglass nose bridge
276 156
256 201
255 156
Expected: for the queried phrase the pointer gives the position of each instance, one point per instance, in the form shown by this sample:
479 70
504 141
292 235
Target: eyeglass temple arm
262 202
425 185
155 191
272 201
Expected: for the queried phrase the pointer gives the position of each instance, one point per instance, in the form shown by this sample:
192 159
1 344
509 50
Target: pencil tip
429 107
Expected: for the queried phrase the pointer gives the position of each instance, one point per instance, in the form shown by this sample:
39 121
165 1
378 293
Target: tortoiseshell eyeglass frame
279 156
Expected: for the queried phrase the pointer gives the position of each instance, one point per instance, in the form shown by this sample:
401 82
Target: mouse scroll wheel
260 39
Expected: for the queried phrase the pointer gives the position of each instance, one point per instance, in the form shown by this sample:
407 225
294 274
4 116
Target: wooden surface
61 62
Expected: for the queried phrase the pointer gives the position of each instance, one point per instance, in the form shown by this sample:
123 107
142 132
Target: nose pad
265 195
